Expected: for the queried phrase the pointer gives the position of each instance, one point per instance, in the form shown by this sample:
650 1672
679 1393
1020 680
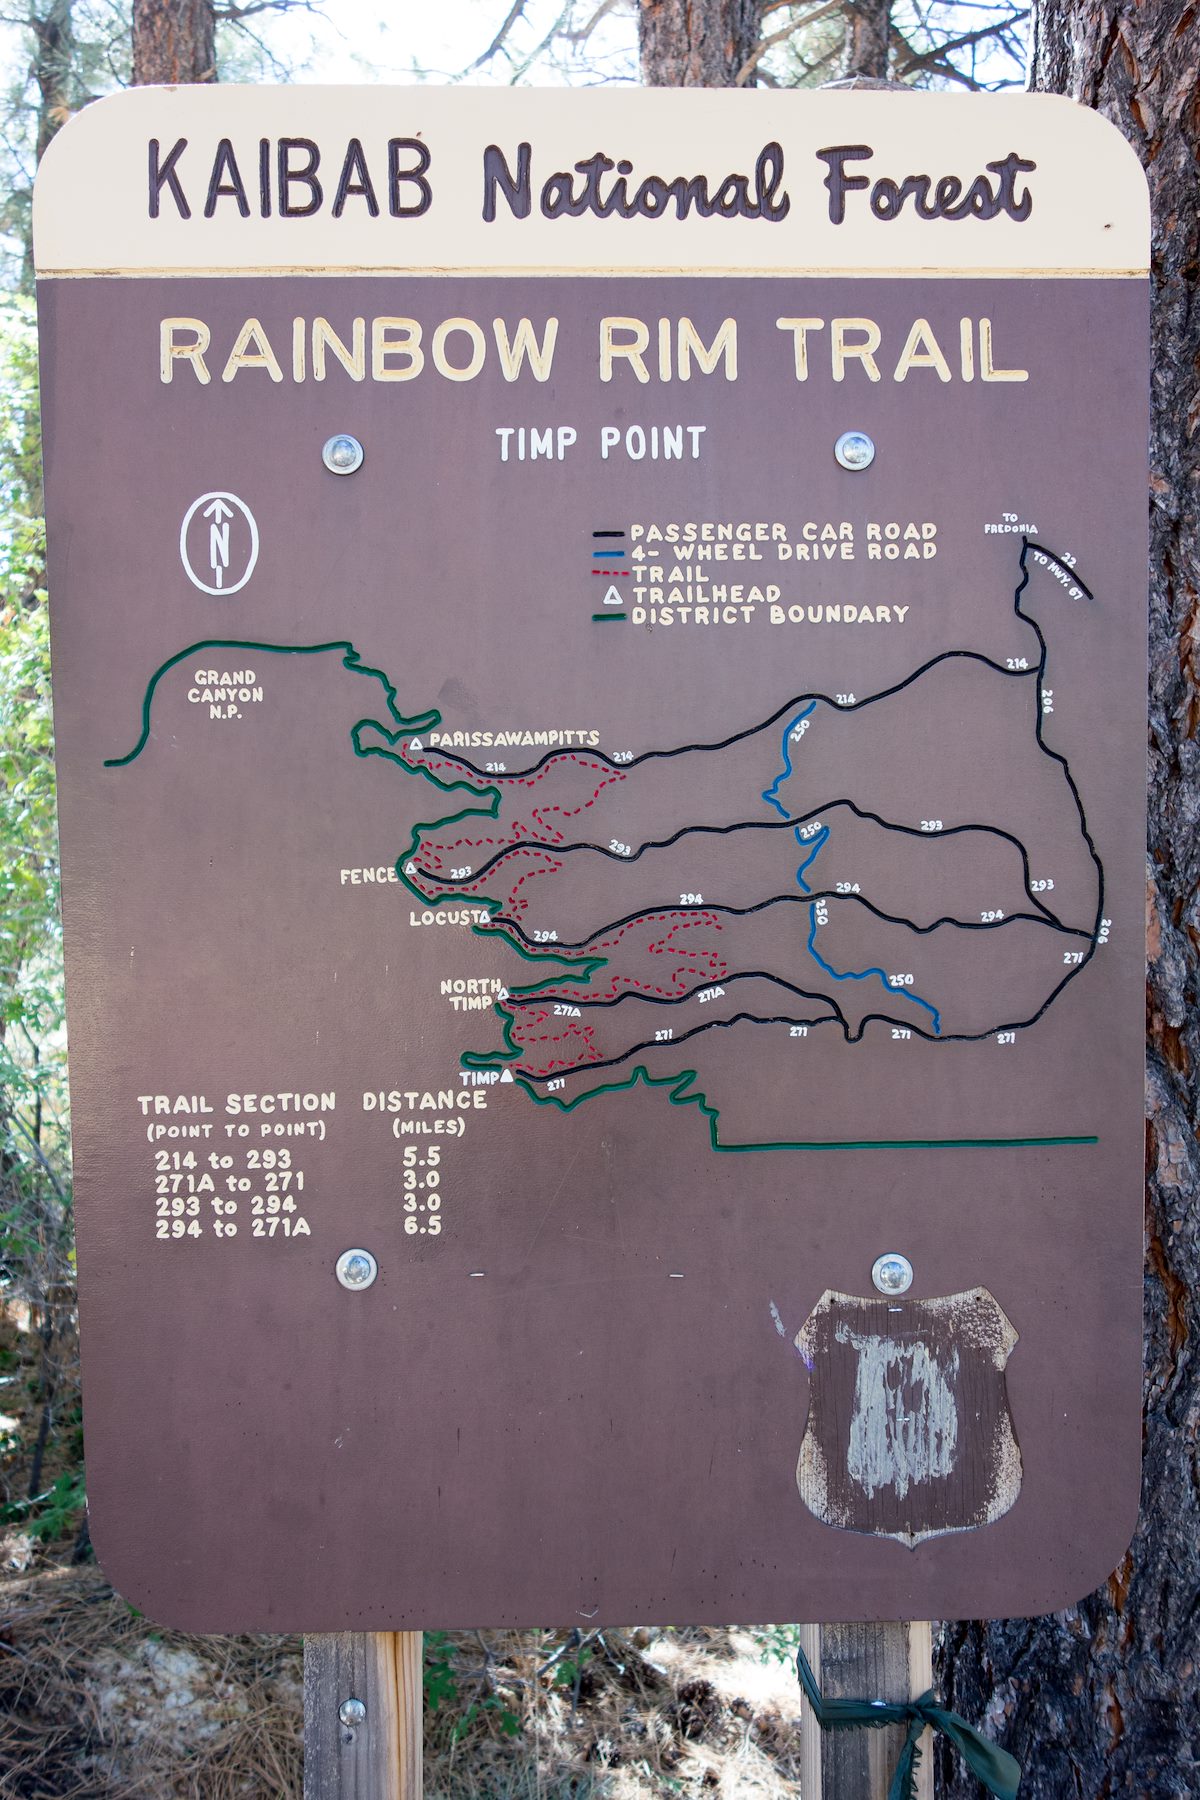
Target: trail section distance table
618 856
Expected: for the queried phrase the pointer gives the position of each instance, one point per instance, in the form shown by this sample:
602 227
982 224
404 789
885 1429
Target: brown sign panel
659 834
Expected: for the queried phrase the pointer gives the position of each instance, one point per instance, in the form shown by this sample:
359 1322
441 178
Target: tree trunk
174 41
868 27
51 30
54 45
703 43
1105 1699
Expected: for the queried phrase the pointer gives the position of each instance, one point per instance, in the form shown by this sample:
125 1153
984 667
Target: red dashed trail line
684 976
578 1061
550 865
427 761
539 830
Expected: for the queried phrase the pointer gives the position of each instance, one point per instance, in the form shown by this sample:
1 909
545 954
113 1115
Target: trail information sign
599 666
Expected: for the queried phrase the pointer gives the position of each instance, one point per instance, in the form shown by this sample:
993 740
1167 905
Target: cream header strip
226 180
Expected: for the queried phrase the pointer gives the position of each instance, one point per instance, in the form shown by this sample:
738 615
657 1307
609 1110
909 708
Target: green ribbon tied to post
995 1768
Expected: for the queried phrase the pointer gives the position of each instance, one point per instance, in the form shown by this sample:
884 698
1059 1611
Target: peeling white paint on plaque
908 1434
904 1427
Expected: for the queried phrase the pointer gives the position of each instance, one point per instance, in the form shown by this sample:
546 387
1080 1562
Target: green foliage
571 1668
34 1206
504 1716
439 1680
28 835
778 1643
51 1515
59 1512
442 1690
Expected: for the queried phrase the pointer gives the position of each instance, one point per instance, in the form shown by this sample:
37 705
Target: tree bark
699 43
53 69
174 41
52 33
868 29
1104 1699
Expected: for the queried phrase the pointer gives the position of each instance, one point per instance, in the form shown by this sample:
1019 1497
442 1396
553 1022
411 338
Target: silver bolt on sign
343 454
854 450
892 1273
356 1269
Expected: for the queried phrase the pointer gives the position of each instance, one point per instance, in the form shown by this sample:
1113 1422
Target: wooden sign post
598 647
362 1716
885 1660
893 1660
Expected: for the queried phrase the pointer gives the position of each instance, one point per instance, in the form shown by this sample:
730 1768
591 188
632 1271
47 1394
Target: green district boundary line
678 1086
678 1096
